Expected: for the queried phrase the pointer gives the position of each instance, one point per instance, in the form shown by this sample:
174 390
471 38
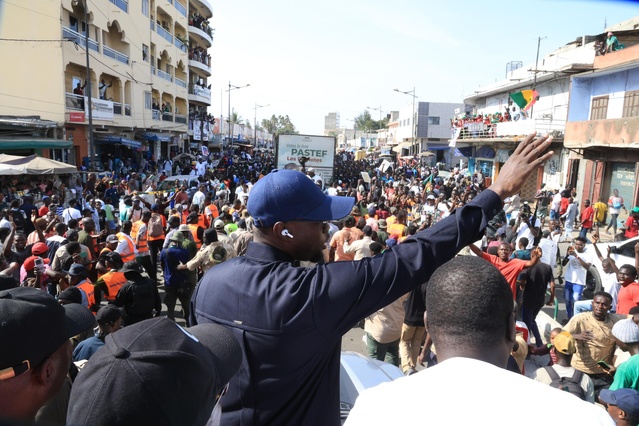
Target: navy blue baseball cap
626 399
289 195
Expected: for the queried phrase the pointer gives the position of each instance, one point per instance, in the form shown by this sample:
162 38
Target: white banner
101 109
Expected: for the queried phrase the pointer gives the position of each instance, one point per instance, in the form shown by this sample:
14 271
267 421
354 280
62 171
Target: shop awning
33 143
32 165
438 147
112 139
403 145
154 137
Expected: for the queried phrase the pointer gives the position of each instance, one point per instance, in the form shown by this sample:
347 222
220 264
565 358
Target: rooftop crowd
271 268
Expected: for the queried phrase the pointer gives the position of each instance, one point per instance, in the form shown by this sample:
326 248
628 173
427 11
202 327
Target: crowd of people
200 54
271 269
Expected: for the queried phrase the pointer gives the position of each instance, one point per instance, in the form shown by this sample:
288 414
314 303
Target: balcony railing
180 82
507 129
167 116
165 75
122 4
198 90
69 34
180 45
74 102
180 118
165 34
156 114
112 53
180 7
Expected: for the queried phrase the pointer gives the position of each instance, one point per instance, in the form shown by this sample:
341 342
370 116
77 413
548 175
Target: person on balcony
103 88
612 44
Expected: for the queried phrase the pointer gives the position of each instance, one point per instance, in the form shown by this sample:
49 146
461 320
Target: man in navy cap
622 405
36 351
290 319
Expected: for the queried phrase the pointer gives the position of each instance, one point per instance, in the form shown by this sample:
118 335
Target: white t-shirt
70 213
464 391
524 231
614 204
549 252
610 284
575 272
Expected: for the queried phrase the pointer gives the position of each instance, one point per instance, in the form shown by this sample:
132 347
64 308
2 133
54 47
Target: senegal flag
525 99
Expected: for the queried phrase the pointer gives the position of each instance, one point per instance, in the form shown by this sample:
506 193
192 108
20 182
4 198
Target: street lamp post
377 109
232 87
412 138
255 122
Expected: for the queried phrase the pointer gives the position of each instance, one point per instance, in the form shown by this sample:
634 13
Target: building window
145 53
145 7
599 108
147 100
631 104
433 121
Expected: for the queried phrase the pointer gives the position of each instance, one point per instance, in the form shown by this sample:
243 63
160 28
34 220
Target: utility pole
539 39
88 87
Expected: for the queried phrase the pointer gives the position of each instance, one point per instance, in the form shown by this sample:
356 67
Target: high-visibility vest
202 221
114 280
89 290
130 256
104 251
214 211
193 228
185 214
143 245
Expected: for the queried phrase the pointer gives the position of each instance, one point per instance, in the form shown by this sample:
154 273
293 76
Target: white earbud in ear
285 233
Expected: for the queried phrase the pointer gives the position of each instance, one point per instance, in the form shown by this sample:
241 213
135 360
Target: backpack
567 384
155 225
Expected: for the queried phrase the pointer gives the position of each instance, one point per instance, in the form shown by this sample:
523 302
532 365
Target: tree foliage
365 121
279 125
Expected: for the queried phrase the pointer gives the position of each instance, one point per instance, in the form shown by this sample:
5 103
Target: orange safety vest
193 228
185 214
114 280
143 245
214 211
88 289
130 257
202 221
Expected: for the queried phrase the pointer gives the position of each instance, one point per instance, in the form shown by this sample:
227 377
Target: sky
307 58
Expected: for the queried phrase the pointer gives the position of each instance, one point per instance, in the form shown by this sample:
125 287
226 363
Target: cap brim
224 347
332 208
79 319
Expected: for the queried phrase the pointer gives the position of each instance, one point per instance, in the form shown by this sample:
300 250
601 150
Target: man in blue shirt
290 319
175 280
109 319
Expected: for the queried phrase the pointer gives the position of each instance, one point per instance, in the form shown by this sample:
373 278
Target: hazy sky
309 58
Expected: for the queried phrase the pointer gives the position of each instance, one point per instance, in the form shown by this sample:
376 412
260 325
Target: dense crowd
105 246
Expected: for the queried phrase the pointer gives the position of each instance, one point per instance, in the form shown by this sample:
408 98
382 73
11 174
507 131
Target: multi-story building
148 65
432 131
331 124
602 132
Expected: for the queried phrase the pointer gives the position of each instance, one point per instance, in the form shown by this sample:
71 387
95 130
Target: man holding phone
595 341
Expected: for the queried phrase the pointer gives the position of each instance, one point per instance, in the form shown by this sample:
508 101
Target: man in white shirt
525 228
199 196
71 212
360 247
471 374
578 261
201 167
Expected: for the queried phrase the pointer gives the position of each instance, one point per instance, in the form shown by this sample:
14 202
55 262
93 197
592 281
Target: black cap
131 267
108 314
155 372
71 295
33 325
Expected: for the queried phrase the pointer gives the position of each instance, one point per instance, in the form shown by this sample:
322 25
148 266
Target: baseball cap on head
288 195
155 372
625 399
34 325
565 344
112 239
39 248
108 314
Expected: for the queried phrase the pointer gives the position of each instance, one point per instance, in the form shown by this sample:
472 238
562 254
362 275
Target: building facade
148 74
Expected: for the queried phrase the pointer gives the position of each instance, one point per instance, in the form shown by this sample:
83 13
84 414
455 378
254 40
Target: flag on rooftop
525 99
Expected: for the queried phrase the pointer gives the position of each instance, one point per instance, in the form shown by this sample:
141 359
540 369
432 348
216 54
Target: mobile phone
39 264
604 365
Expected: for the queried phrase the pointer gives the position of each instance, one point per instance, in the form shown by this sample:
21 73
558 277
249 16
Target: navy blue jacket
289 320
